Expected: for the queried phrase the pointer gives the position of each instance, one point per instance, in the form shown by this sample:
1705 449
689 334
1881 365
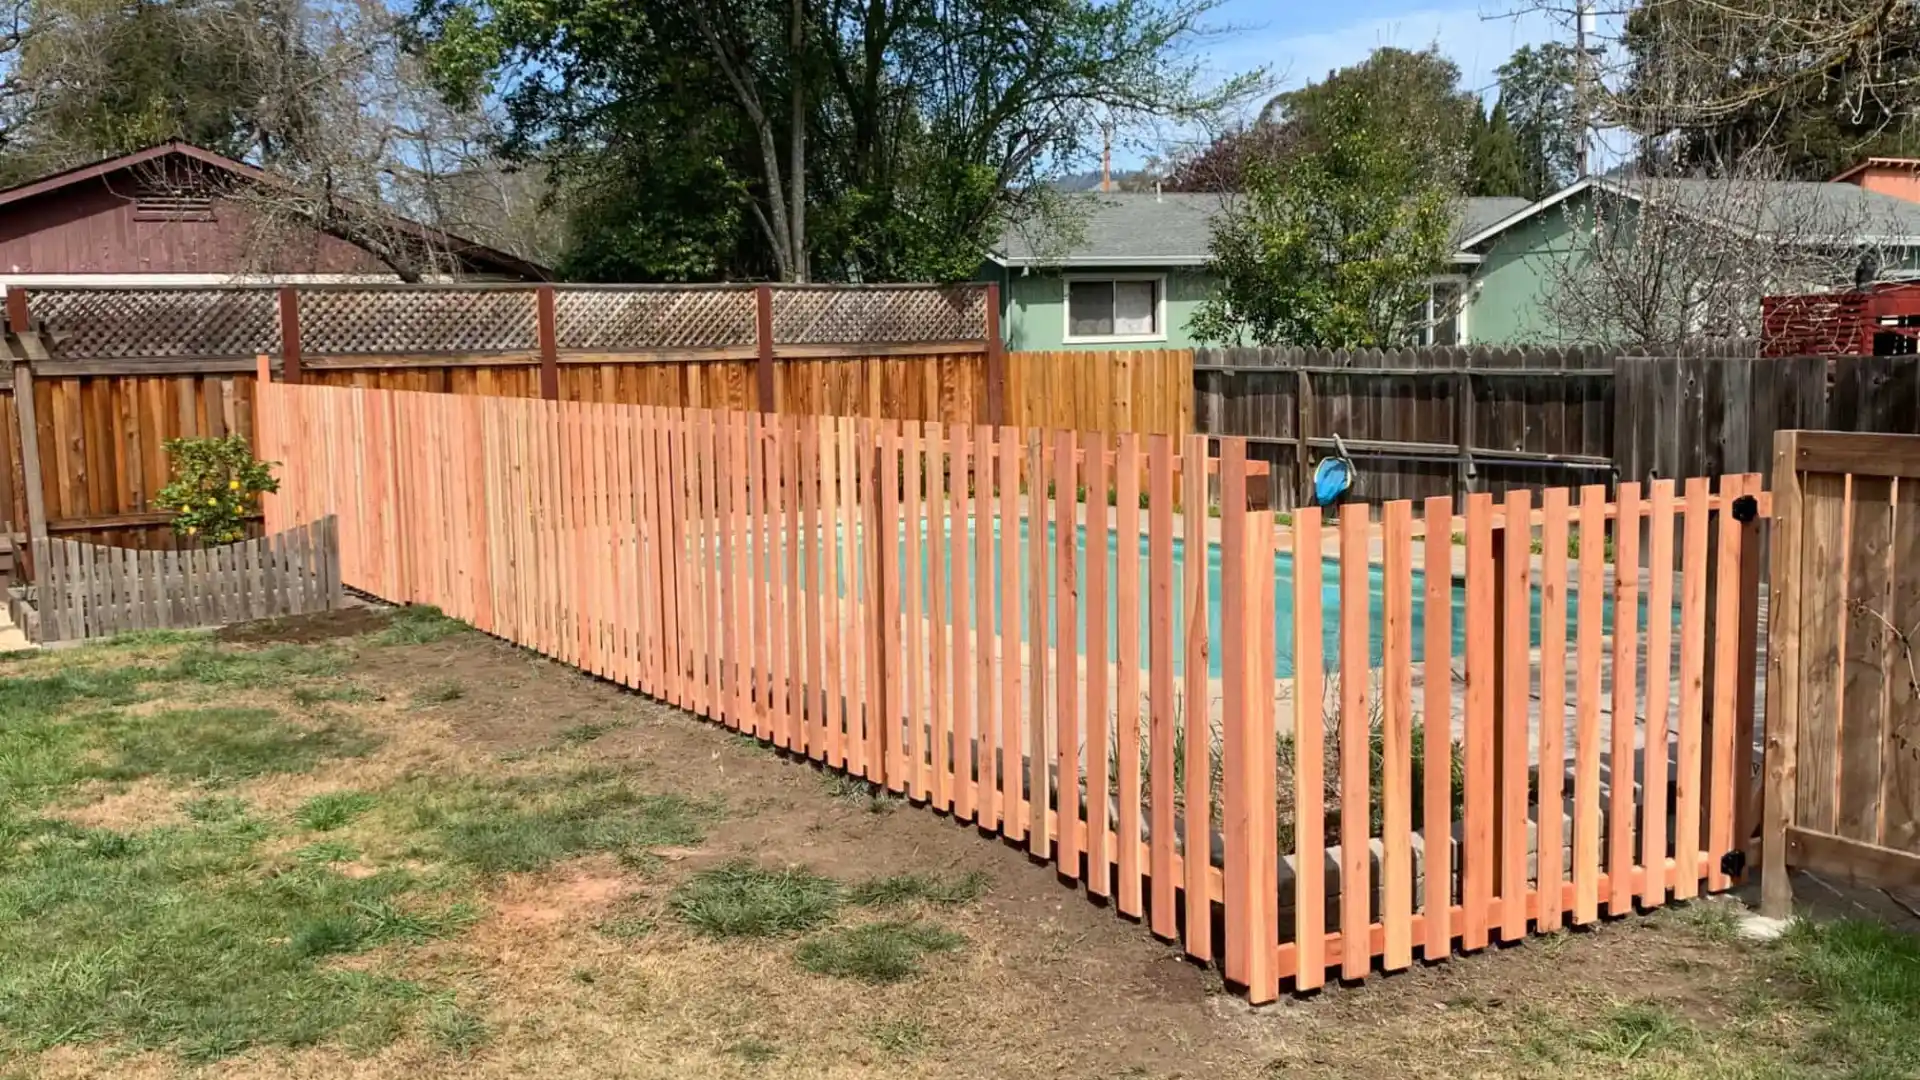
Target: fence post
549 343
1781 788
996 360
25 422
1302 426
763 337
289 334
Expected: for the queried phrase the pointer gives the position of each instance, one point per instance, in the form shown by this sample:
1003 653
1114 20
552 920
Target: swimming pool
1330 600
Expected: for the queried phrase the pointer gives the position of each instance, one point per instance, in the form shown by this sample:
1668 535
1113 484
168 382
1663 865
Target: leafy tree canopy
839 139
1332 244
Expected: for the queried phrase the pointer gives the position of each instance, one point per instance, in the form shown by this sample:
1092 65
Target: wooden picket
956 614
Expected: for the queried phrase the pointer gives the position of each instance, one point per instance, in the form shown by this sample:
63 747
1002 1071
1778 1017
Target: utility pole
1106 155
1583 27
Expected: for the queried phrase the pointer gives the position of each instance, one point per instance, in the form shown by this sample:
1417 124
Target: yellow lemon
233 485
191 530
213 502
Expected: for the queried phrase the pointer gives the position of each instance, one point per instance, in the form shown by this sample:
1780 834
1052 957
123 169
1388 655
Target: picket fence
813 581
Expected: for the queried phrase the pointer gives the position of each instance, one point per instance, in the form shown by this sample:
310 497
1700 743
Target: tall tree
866 139
1537 92
1333 244
1417 94
1497 165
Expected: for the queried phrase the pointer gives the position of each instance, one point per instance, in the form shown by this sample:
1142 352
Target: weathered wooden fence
1252 750
1843 717
1426 421
91 591
1419 422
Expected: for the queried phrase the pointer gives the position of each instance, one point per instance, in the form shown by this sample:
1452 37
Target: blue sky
1299 41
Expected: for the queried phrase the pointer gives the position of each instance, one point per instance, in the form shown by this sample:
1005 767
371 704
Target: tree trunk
797 155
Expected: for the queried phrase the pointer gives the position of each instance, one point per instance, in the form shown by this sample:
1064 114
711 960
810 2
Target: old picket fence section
83 590
1253 751
1843 738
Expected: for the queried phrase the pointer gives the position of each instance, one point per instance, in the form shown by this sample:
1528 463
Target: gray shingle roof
1141 228
1795 209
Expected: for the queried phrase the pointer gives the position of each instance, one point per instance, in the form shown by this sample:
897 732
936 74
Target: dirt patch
588 887
304 629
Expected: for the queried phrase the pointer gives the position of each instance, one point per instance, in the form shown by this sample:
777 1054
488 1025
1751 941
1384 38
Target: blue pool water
986 595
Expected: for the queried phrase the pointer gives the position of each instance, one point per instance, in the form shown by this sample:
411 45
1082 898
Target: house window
1116 309
1442 318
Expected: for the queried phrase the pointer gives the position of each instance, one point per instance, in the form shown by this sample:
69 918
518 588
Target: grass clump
333 810
902 1038
322 852
346 693
583 733
900 889
530 824
418 624
217 744
740 899
1634 1030
754 1051
882 952
439 692
455 1029
249 669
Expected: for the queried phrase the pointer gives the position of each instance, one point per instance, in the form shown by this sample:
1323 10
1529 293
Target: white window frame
1159 314
1465 283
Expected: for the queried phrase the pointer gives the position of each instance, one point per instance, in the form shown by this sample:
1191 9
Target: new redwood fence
1255 736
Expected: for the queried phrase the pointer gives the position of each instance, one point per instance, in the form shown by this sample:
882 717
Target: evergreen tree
1498 166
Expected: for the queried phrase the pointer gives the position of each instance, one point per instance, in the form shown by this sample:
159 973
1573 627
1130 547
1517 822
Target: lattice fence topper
829 315
690 318
138 324
418 320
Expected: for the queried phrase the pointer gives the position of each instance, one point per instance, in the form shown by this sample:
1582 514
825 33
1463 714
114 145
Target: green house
1519 259
1136 270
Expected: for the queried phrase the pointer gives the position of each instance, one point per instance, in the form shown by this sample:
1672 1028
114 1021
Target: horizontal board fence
1843 721
1268 753
1428 421
93 591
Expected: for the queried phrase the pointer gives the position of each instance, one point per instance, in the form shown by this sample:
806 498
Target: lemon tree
216 484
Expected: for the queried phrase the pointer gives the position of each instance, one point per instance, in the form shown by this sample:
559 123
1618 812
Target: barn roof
484 257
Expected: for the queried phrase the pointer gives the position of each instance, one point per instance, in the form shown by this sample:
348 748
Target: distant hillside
1134 180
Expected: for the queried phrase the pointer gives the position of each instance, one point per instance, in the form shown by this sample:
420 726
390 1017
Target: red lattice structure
1883 320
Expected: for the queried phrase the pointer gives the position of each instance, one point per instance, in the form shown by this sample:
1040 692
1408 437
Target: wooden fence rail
93 591
930 606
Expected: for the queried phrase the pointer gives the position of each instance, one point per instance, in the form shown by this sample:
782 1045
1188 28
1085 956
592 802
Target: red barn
177 214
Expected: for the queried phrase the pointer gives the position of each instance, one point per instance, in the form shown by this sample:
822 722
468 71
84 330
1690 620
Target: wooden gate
1843 708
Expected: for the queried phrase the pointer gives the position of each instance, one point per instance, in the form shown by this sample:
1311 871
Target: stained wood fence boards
1843 714
935 607
84 591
